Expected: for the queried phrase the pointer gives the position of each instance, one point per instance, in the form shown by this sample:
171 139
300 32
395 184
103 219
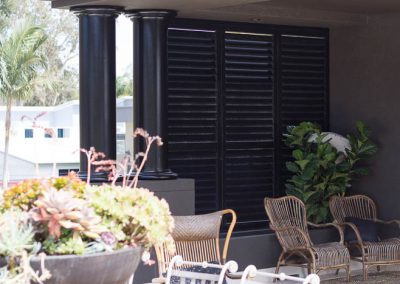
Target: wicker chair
287 216
197 239
383 252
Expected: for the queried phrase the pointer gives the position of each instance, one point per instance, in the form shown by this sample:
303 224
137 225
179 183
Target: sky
124 44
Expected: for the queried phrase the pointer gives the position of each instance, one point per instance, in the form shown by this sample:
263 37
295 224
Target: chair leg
278 265
348 273
365 272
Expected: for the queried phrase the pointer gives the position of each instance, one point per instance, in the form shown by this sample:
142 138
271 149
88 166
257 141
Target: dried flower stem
92 156
135 180
115 167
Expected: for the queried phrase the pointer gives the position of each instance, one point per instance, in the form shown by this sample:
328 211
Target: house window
28 133
47 135
65 172
232 90
62 133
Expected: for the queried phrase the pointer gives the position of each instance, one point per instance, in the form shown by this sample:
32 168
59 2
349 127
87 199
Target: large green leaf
297 154
292 167
302 164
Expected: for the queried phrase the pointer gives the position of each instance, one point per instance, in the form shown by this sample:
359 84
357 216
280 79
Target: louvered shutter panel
192 112
303 86
231 95
248 126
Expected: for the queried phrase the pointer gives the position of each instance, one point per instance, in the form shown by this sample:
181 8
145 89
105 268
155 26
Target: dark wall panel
365 86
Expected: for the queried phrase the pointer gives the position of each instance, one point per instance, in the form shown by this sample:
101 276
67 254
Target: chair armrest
337 226
355 229
229 233
389 222
291 237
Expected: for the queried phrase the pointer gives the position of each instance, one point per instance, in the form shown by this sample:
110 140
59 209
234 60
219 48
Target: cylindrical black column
97 76
150 84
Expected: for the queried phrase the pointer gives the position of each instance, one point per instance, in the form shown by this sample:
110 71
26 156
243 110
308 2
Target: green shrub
319 170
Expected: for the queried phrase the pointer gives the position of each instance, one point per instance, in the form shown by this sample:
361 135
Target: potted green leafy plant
88 233
324 164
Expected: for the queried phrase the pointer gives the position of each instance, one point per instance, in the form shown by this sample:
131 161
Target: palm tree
5 10
21 61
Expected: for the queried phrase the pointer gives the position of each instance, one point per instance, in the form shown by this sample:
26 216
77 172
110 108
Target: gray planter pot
101 268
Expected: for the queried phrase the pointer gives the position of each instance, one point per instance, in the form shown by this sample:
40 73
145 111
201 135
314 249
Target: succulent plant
18 246
68 245
61 209
69 216
25 193
16 234
140 216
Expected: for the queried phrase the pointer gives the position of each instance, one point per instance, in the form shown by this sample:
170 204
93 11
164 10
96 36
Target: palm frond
22 60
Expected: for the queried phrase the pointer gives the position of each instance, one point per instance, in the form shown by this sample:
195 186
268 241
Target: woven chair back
197 227
287 217
196 239
359 206
288 211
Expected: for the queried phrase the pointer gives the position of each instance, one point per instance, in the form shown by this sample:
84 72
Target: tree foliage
5 11
319 170
124 85
60 81
22 62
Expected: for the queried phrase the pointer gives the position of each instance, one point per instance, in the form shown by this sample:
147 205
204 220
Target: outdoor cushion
388 231
199 269
368 230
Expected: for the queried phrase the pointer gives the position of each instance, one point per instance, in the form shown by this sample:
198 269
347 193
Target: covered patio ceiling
328 13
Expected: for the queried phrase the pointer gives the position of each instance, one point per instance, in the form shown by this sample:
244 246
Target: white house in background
33 152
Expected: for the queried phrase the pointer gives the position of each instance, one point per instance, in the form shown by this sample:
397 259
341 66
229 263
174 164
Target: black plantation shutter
232 91
192 112
248 136
303 85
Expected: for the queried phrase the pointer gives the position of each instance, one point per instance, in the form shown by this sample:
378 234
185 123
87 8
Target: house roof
304 12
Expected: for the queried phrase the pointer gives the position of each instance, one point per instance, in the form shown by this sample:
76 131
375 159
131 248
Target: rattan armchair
287 216
383 252
197 239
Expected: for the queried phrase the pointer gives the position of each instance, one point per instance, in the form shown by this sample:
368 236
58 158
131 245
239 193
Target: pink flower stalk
91 156
149 141
117 169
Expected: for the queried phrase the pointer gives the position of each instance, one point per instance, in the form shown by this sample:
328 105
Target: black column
97 76
150 85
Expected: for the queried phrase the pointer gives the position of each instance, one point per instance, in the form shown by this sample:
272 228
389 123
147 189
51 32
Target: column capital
107 11
151 13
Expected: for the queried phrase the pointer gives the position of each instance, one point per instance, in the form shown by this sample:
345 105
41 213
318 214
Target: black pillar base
96 177
159 175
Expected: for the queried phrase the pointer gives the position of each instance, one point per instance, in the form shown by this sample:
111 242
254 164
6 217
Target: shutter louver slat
192 112
248 126
303 88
